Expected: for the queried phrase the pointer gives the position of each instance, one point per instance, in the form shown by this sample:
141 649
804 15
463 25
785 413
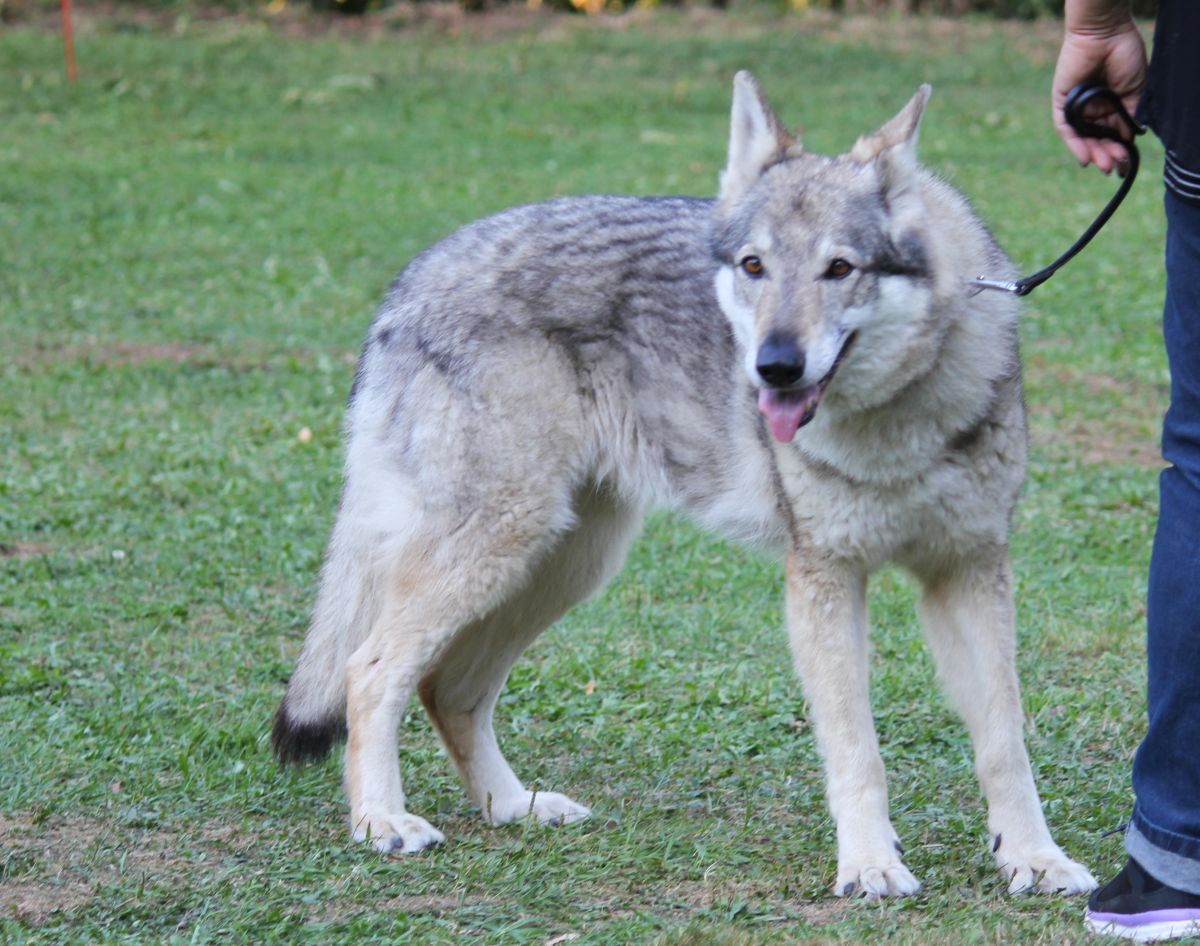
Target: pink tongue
787 411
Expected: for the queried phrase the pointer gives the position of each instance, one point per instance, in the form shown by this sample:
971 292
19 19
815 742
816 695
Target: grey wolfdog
799 364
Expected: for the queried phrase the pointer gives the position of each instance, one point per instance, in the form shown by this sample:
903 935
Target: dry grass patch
23 550
62 863
1096 418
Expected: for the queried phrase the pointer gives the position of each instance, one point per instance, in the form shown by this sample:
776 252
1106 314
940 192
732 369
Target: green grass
192 240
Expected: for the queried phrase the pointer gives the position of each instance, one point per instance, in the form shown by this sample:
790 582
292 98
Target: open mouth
789 409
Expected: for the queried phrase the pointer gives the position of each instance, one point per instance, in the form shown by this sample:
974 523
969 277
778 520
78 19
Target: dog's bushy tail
312 716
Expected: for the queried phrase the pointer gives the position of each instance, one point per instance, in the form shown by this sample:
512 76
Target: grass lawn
192 240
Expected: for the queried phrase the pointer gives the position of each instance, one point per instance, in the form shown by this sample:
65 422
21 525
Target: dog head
825 263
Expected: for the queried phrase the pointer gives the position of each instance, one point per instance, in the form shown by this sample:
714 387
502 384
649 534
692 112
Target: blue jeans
1164 832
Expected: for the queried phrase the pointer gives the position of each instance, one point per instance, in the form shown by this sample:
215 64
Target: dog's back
590 320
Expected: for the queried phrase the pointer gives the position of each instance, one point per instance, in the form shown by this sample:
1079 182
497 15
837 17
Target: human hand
1107 50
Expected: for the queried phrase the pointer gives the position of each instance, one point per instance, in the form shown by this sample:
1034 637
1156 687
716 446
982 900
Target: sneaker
1133 905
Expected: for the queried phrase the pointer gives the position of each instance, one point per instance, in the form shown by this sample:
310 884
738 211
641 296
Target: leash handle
1073 110
1081 96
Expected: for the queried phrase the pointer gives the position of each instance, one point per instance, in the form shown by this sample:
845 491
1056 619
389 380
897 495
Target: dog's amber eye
839 269
752 266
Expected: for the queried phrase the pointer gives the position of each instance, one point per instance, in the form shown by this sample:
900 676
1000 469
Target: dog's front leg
827 627
968 618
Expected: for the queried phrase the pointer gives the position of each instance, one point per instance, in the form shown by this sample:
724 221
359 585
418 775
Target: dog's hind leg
434 587
461 691
380 677
827 627
969 623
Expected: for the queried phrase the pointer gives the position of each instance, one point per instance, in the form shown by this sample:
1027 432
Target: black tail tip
296 743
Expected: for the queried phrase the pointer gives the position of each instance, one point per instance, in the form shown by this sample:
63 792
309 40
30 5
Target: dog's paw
549 808
887 879
1045 871
397 833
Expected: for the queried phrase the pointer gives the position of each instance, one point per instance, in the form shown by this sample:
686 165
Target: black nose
780 362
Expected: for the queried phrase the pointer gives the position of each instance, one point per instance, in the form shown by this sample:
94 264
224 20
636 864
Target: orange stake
69 40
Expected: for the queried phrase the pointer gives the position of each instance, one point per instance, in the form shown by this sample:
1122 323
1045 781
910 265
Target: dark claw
996 846
849 889
899 848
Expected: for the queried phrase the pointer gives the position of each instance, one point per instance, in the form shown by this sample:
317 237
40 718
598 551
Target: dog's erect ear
893 150
898 135
756 139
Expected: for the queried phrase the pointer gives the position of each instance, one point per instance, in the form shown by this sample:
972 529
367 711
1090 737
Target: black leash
1077 99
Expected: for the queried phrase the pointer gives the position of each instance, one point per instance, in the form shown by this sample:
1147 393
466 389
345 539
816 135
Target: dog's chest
946 511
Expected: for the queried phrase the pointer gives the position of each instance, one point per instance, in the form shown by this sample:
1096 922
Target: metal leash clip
1073 110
